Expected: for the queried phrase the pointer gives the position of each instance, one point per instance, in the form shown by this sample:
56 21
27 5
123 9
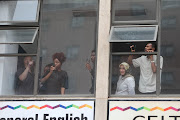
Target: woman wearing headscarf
126 83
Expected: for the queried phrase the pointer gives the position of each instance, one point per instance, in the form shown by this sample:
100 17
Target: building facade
69 52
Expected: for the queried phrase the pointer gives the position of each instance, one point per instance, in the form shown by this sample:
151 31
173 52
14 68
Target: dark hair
49 65
60 56
153 45
93 51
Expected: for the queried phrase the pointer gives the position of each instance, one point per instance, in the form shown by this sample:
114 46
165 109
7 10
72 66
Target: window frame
131 26
9 25
24 23
135 21
158 42
21 28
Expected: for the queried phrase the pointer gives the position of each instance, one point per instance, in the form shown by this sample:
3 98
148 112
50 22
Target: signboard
47 110
144 110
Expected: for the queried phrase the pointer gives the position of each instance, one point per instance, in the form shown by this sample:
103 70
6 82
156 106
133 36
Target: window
19 44
62 60
19 11
70 38
170 46
128 10
135 64
133 33
18 35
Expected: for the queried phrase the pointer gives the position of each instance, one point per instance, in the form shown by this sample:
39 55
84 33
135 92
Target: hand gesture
88 66
30 64
132 48
150 56
52 68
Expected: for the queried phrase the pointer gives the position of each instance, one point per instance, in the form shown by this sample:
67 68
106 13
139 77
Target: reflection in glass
18 10
119 34
168 4
170 46
12 80
128 10
18 35
69 27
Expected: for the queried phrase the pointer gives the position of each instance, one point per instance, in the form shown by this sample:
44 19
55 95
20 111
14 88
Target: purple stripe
4 107
55 106
126 108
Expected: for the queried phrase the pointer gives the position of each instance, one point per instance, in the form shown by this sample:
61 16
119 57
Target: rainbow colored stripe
46 106
145 108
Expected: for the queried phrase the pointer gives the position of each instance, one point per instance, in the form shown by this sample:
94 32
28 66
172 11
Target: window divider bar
158 72
153 22
134 53
16 55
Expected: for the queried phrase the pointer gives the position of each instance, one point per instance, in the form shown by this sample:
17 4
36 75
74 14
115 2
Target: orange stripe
30 107
82 106
153 108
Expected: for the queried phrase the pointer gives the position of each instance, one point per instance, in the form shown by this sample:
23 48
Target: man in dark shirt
25 78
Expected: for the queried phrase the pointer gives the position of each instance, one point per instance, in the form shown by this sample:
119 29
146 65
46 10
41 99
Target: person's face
122 70
27 60
93 56
57 63
148 47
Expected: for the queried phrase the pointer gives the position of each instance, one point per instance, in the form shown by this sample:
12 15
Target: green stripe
146 108
69 106
17 107
140 108
76 106
23 107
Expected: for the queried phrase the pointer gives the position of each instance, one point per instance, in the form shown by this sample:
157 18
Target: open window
19 11
18 35
133 33
121 39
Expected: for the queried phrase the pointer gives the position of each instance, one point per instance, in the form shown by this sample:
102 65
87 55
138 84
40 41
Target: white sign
144 110
47 110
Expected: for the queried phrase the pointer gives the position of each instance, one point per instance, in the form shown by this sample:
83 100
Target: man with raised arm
148 69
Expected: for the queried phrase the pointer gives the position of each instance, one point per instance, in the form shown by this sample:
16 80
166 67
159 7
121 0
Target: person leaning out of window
126 83
57 78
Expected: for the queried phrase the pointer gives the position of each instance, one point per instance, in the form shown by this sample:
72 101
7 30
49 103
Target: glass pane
126 46
128 10
18 10
13 81
18 35
19 48
129 34
170 46
132 75
68 40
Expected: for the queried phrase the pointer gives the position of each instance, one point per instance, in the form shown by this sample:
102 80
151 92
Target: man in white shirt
148 69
